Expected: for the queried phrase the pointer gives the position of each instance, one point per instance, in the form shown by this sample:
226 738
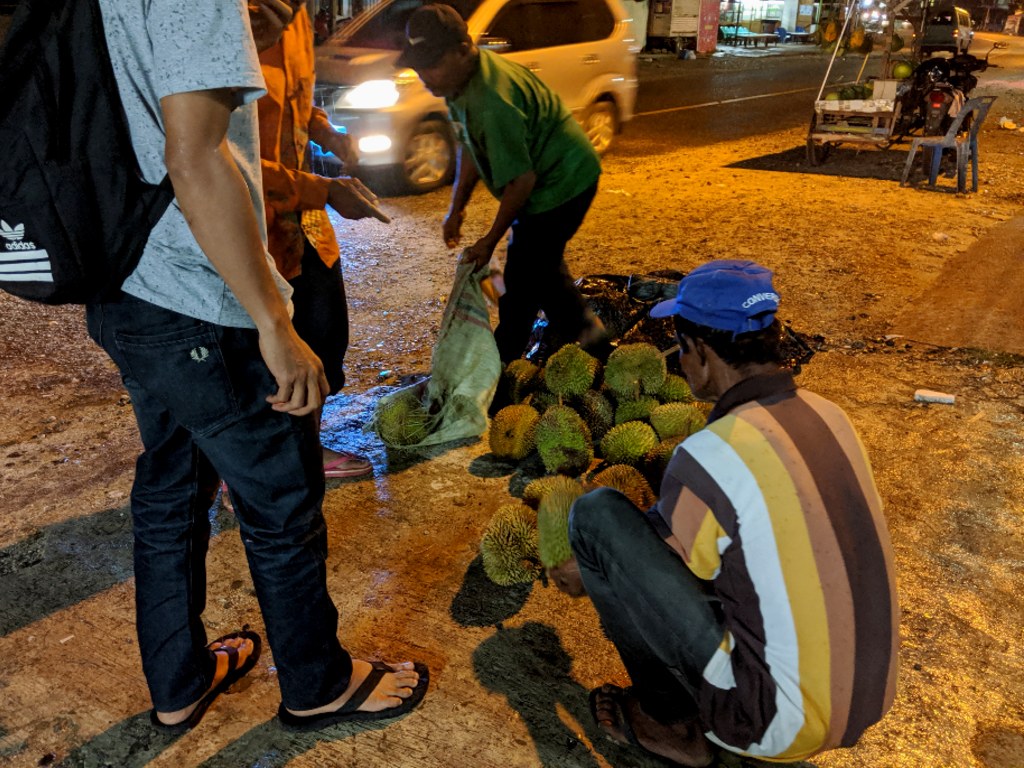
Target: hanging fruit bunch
861 40
857 39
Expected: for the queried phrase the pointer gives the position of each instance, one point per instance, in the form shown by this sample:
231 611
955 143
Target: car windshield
383 26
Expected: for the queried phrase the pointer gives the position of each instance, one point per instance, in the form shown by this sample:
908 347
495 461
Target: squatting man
754 606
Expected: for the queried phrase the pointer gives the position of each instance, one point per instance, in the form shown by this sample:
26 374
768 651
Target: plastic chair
965 144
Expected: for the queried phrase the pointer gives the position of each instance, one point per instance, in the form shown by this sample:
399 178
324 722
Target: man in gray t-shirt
221 385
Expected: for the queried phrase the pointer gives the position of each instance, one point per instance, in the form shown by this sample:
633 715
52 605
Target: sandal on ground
347 464
236 671
616 705
349 712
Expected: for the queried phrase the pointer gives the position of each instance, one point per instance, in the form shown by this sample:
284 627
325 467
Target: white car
583 49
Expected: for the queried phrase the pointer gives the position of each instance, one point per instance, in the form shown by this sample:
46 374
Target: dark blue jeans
198 391
661 618
536 277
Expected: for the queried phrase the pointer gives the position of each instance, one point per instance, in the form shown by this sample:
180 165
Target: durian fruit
402 420
628 481
570 371
521 378
512 432
676 420
563 441
635 410
635 369
536 490
656 460
553 527
541 400
675 390
597 411
627 443
509 545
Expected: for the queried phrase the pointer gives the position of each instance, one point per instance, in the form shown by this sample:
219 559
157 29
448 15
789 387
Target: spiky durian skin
570 371
597 412
563 441
656 460
629 481
541 400
509 545
553 527
522 378
635 410
675 390
627 443
402 420
536 490
676 420
511 435
635 369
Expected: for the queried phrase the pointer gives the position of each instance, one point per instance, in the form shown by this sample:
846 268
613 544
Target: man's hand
479 252
268 19
340 145
566 576
353 200
301 384
451 230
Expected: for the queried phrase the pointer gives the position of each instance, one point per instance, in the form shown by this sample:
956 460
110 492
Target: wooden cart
858 121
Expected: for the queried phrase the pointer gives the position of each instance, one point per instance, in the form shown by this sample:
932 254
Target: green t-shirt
511 123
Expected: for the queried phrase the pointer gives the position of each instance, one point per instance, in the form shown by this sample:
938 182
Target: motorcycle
937 89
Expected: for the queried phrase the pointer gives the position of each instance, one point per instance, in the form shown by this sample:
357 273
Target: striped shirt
774 503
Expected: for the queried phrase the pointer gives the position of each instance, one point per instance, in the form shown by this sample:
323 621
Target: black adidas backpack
75 212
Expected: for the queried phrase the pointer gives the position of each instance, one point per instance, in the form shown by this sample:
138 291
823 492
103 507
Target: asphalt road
698 102
734 95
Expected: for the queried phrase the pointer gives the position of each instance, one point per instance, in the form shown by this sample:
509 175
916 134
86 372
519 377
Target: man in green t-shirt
531 154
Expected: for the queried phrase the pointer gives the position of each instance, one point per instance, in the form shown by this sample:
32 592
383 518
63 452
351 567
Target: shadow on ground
133 743
529 666
482 603
58 566
860 163
842 160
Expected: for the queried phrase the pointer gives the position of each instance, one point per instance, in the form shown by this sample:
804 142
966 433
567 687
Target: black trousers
537 278
321 313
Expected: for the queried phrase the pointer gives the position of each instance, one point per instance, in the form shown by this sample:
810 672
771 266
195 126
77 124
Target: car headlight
373 94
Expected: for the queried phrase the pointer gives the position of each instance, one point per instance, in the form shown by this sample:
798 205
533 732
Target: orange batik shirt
294 197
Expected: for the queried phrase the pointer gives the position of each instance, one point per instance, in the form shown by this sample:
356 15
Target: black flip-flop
350 712
235 673
617 696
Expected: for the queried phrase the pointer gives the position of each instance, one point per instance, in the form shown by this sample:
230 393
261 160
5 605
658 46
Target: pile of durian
614 425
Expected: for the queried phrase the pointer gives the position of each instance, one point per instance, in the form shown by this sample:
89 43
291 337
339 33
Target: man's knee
597 514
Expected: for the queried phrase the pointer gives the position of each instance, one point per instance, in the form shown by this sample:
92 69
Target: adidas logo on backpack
75 212
21 261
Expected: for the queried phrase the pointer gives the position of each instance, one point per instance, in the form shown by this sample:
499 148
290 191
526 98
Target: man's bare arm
513 198
216 203
466 179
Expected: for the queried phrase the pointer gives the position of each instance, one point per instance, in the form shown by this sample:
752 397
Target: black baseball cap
432 31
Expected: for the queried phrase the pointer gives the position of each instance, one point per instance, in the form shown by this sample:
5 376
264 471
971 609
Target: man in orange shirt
299 232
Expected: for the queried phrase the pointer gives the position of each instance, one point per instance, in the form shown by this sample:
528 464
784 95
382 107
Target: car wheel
429 157
600 123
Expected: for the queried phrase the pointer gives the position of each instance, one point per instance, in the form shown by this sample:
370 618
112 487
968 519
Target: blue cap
726 294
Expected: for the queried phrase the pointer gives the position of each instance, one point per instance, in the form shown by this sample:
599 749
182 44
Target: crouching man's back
755 605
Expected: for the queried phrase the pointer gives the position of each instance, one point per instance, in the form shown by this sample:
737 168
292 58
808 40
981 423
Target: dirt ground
510 668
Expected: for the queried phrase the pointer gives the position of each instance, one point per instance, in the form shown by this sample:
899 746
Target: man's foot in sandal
618 713
235 655
343 464
377 691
